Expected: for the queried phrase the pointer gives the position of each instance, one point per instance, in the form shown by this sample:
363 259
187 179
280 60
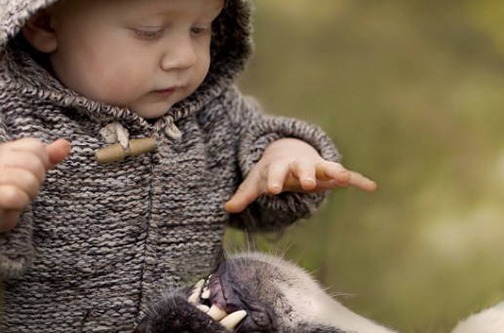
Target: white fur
311 303
487 321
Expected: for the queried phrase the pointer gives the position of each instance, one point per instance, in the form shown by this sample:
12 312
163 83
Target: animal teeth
233 319
194 298
203 308
216 313
207 280
206 293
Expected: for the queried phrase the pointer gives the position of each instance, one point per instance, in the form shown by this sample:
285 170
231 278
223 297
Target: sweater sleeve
256 131
16 246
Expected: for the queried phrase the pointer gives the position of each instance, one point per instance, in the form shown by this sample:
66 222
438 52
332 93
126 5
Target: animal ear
38 31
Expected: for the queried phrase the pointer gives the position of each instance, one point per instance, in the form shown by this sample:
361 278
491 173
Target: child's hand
23 167
295 166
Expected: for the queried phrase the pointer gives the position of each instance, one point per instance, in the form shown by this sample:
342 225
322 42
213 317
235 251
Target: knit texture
101 241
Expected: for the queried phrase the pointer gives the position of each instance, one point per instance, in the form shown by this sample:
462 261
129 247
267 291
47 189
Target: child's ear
39 32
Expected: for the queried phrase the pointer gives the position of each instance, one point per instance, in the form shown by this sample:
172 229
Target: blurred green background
413 94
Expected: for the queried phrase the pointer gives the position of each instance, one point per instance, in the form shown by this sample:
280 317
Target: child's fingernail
275 188
309 183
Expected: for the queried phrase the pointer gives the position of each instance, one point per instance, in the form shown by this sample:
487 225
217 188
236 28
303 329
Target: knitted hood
230 49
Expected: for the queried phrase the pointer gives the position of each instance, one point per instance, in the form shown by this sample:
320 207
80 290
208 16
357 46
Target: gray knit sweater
101 240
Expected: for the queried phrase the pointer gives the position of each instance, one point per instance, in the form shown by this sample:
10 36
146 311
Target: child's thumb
58 151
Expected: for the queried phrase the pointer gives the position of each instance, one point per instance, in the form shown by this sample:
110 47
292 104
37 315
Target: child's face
145 55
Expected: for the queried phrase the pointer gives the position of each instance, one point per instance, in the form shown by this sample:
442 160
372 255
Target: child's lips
165 92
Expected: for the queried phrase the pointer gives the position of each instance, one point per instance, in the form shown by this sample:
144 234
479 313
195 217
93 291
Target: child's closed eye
148 33
201 30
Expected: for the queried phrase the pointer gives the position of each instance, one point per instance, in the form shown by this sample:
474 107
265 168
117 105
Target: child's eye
200 30
148 33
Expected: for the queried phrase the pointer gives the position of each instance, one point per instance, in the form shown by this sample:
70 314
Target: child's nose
179 54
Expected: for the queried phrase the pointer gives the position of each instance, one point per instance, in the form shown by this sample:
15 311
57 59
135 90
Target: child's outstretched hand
23 167
295 166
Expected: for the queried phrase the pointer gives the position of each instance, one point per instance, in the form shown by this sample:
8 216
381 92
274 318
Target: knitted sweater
101 240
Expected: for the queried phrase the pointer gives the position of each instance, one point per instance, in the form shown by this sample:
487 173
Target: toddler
84 244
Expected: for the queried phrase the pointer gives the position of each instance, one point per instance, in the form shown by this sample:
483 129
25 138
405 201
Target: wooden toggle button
116 152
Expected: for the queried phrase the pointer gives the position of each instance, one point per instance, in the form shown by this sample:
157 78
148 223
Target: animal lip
222 294
217 296
207 296
217 290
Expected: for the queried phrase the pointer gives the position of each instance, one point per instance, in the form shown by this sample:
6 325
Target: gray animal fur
278 296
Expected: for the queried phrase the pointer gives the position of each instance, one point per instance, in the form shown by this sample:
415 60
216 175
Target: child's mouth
165 92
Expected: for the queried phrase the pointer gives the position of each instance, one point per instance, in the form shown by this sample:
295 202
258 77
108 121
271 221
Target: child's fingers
330 170
362 182
247 193
13 198
50 154
277 174
26 153
305 172
325 175
327 170
26 145
23 166
57 151
26 160
21 179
